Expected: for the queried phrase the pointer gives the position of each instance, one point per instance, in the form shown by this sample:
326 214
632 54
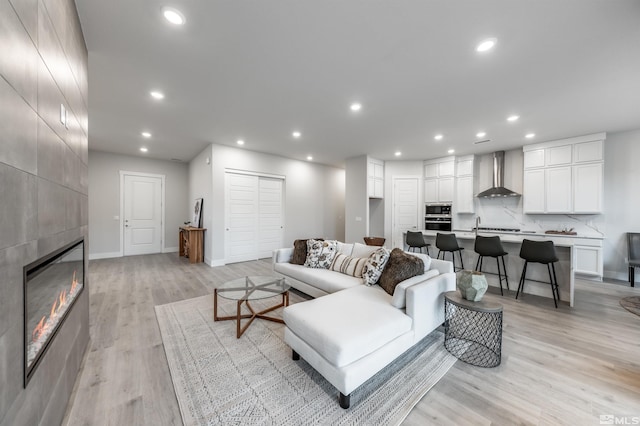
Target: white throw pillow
362 250
426 259
320 254
348 265
345 248
399 299
374 265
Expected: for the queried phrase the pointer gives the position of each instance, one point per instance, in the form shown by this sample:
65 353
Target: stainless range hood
498 189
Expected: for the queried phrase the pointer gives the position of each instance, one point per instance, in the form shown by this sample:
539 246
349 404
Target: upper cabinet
439 180
465 185
375 178
564 176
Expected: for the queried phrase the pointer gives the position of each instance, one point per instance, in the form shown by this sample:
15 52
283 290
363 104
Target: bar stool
540 252
415 240
449 243
491 247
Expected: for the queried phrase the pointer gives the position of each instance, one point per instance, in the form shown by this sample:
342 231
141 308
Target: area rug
219 379
631 304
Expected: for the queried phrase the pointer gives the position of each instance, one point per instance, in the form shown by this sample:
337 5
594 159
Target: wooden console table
192 243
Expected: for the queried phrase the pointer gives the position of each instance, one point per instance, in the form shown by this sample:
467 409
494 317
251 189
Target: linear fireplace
52 284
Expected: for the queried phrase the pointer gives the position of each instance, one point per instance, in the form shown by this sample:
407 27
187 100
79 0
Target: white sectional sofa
353 330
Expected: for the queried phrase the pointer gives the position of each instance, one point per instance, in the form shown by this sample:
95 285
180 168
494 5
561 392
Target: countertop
517 237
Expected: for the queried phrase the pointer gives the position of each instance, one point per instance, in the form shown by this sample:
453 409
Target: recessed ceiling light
486 45
398 154
157 95
513 118
451 151
240 142
296 135
143 149
146 135
309 157
530 135
172 15
481 134
438 137
355 107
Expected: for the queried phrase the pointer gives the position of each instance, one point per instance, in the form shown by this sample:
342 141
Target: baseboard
170 250
95 256
216 262
615 275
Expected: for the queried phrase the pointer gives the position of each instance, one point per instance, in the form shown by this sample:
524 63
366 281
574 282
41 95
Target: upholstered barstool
540 252
491 247
415 240
449 243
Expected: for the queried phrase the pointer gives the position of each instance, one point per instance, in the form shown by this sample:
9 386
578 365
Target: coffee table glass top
253 288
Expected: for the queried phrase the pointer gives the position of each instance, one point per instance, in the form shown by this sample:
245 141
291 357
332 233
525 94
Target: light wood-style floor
564 366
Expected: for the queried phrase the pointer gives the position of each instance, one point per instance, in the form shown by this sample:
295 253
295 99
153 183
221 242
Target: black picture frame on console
197 214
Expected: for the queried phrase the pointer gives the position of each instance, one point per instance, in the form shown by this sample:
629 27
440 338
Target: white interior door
270 223
142 208
242 217
405 208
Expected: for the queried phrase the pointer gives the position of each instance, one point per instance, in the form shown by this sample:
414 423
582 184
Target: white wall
356 200
314 196
200 179
104 199
621 198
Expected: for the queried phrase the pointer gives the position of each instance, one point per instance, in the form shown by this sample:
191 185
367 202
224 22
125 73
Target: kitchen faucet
477 223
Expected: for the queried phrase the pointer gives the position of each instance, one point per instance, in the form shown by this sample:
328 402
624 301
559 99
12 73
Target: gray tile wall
43 192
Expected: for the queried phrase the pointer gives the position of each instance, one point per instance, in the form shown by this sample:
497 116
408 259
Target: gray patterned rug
219 379
631 304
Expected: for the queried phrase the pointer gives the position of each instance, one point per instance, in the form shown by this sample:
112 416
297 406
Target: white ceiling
258 70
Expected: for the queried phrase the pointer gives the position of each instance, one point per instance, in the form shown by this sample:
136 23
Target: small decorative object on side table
473 330
472 285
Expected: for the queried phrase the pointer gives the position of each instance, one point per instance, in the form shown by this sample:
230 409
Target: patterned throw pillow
348 265
374 266
320 254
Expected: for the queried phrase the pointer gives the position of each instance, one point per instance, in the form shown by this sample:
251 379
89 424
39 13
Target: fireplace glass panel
51 286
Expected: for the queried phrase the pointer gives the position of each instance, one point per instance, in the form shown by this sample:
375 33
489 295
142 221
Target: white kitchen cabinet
465 188
533 195
573 176
557 190
588 260
375 178
464 195
439 180
587 190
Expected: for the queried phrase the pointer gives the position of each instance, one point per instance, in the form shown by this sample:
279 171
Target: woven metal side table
473 330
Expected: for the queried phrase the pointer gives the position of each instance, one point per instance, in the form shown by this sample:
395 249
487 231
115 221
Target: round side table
473 330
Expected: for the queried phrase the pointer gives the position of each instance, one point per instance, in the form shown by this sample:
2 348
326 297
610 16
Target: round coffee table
244 290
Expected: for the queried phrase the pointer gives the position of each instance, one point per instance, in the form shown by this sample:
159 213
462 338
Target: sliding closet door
270 224
254 218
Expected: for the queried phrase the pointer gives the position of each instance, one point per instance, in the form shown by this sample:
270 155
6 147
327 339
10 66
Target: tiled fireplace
52 284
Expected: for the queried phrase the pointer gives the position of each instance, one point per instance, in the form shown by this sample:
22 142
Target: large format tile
27 11
51 152
51 208
73 215
18 130
12 261
18 209
49 100
19 57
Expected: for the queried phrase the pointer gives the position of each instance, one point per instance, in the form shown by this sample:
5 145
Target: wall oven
437 217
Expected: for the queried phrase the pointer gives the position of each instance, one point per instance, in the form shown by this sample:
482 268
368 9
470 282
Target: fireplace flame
59 303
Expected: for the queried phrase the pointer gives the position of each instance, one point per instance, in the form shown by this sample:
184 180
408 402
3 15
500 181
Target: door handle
227 229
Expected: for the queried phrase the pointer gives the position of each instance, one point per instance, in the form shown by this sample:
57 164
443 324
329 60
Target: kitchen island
577 254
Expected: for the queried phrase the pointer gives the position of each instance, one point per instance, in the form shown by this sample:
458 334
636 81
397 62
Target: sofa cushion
375 265
300 251
348 325
399 299
399 267
320 254
345 248
362 250
348 265
322 279
425 259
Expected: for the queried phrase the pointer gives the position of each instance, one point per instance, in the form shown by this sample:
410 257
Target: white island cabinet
564 176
